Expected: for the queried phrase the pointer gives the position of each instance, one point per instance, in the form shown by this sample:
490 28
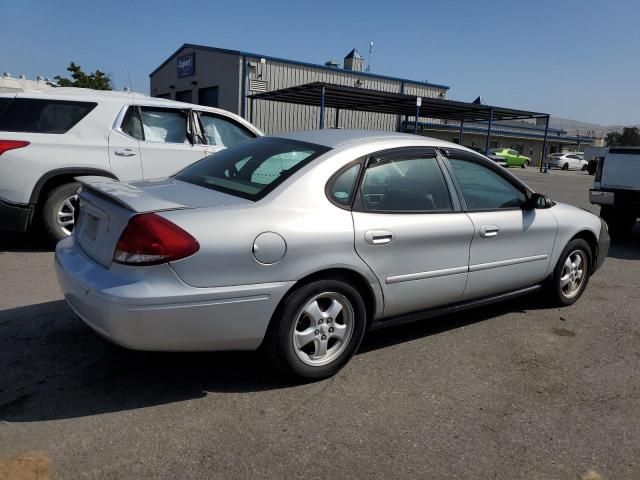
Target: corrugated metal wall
273 117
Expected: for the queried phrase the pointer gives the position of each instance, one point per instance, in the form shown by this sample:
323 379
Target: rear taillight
6 145
598 176
150 239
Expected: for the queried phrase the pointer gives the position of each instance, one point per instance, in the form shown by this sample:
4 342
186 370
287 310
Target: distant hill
574 127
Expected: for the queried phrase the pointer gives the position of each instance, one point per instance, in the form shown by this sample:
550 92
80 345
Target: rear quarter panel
318 234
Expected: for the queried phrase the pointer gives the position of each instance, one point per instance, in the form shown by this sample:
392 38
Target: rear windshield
42 116
252 169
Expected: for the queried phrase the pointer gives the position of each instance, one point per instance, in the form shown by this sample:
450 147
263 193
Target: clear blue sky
574 59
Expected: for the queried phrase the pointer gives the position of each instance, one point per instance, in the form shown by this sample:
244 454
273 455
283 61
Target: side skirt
448 309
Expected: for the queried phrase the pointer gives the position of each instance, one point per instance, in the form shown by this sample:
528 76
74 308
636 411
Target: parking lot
515 390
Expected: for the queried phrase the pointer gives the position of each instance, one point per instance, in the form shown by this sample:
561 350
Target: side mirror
538 200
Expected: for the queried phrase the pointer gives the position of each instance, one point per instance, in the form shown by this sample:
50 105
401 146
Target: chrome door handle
125 152
487 231
378 237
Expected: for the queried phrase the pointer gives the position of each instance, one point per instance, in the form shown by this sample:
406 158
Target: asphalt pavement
515 390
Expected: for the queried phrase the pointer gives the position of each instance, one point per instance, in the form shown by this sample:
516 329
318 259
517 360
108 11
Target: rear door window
405 185
222 132
42 116
165 125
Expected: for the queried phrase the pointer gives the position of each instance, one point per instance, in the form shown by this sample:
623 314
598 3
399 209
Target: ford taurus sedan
299 243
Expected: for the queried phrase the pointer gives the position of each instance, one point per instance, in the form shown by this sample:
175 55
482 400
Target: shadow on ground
35 241
52 366
627 247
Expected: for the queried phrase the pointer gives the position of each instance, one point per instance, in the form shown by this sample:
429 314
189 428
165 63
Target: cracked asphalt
515 390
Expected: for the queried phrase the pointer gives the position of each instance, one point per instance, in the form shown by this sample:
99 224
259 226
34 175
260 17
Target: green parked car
511 157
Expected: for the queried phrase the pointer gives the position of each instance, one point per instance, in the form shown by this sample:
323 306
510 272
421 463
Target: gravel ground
517 390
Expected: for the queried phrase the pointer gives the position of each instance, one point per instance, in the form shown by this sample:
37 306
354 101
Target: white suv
48 137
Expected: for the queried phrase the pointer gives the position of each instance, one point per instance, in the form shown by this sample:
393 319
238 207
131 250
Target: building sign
187 65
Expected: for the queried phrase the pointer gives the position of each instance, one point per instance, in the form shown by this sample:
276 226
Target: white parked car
567 161
49 137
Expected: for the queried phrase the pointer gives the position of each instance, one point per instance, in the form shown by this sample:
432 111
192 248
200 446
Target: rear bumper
15 216
603 245
600 197
149 308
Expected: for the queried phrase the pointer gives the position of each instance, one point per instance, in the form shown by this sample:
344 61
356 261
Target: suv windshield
252 169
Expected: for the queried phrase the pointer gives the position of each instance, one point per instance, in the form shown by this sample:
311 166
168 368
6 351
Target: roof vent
331 64
6 75
353 61
479 101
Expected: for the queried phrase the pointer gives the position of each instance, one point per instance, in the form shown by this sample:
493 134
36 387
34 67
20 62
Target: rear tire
58 211
572 272
316 330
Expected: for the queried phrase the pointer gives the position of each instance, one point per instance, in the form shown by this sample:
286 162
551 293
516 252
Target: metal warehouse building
224 78
229 78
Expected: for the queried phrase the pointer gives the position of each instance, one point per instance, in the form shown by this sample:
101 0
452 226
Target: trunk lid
106 205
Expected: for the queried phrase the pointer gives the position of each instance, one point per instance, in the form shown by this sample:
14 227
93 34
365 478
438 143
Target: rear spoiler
128 195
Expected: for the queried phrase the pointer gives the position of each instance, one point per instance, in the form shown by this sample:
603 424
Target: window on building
184 96
208 96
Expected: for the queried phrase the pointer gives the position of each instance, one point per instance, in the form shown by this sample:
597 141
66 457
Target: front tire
565 166
58 211
316 329
572 272
525 164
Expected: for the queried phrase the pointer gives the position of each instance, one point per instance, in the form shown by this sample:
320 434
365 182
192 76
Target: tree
630 137
97 80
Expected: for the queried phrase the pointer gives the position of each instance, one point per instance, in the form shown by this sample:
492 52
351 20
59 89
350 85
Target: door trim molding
423 275
505 263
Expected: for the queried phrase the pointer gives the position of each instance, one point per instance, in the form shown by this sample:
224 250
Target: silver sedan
299 243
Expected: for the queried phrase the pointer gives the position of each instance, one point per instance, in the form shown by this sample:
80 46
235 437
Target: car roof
90 95
333 138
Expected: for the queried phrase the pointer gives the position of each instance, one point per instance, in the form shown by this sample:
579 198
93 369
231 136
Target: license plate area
93 224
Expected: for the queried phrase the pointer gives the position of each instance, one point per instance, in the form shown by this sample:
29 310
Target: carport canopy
342 97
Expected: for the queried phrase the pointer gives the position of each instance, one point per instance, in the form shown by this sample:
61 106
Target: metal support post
486 145
322 108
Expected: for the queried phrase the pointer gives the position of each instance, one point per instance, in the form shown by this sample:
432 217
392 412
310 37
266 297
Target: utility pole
370 53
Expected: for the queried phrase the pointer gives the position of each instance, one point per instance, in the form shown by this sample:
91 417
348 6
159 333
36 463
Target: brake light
150 239
6 145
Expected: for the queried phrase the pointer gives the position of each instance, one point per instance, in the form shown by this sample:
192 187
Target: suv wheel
58 210
316 329
572 272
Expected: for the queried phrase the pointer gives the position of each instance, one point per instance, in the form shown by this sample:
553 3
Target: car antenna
133 102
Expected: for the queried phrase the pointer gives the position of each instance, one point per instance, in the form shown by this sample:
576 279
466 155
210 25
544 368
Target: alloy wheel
323 328
65 214
574 273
